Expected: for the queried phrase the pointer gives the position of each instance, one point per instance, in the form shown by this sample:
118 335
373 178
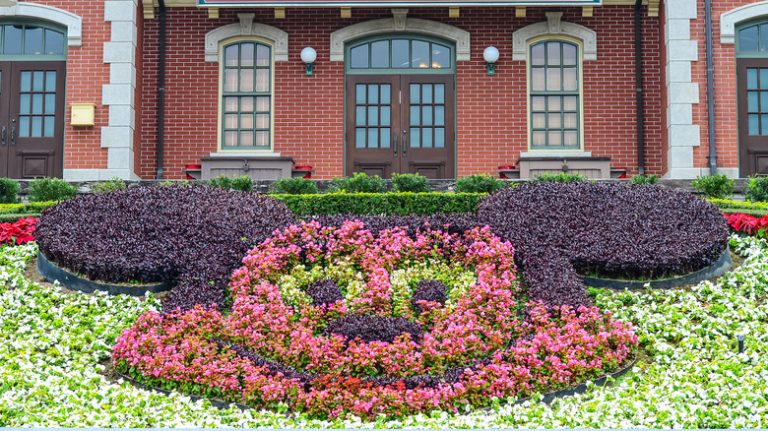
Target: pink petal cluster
502 353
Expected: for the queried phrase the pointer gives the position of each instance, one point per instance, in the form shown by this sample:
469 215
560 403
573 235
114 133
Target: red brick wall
491 111
86 72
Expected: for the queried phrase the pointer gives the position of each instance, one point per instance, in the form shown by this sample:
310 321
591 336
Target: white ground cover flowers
54 346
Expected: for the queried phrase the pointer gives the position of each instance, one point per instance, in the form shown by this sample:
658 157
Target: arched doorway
32 81
752 71
400 106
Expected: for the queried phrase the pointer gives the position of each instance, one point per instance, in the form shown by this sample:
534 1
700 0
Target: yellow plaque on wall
83 114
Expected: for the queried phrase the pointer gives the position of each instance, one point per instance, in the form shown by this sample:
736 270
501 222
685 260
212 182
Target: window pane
440 115
569 54
360 137
373 116
748 39
763 37
262 104
553 79
262 121
415 137
37 127
246 138
12 40
439 93
754 124
386 137
263 56
570 121
246 104
262 80
537 79
37 103
246 80
570 83
385 116
360 116
764 78
441 57
230 55
570 139
570 103
373 94
554 121
439 137
230 104
26 81
246 121
230 121
537 54
38 81
415 116
764 101
54 42
764 124
24 127
415 93
751 78
538 103
247 53
360 94
24 104
33 40
359 56
752 104
230 139
385 94
373 138
539 121
539 139
50 81
553 103
230 80
400 54
262 139
48 125
553 139
426 93
553 53
426 137
426 116
420 54
50 104
380 54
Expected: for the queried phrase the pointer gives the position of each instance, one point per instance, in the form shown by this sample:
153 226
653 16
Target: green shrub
413 183
9 190
757 189
113 185
360 182
478 183
171 183
381 203
560 177
50 189
26 208
243 183
294 186
645 179
714 186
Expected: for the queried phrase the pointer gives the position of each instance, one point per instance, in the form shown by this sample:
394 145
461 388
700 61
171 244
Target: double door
400 124
31 119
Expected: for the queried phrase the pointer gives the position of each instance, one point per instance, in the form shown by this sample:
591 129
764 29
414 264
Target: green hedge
381 203
33 208
731 206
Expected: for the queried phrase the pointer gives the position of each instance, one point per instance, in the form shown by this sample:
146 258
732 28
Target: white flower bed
55 344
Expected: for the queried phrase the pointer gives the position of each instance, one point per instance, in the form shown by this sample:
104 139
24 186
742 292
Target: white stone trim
729 20
400 23
554 26
73 22
246 27
682 92
119 94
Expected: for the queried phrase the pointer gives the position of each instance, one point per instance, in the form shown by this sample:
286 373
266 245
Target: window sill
556 154
245 153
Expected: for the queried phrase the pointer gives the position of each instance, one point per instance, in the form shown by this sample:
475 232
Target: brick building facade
393 87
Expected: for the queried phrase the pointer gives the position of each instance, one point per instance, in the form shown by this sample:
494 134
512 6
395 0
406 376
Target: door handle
13 135
2 135
395 145
405 143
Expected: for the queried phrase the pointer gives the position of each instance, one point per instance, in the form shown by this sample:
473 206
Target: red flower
20 232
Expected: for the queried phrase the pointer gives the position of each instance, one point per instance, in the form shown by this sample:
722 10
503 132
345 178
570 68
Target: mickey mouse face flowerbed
334 321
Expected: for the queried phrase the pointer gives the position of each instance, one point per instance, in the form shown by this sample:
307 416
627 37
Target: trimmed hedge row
381 203
732 206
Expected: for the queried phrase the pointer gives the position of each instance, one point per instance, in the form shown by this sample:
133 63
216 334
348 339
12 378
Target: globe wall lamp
308 56
491 56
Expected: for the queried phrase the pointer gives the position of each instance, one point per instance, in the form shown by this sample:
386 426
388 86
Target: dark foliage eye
428 290
324 292
189 236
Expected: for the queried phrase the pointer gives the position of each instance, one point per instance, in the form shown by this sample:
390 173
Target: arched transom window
555 90
247 96
29 40
753 40
400 54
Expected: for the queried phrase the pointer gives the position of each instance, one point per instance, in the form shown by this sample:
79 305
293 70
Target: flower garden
390 321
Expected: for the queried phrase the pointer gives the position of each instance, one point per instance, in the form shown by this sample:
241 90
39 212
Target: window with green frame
753 39
555 92
31 40
399 53
246 96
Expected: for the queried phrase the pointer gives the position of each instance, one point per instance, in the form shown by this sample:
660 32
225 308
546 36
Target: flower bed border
718 268
72 281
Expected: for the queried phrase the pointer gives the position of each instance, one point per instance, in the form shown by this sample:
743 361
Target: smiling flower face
336 321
